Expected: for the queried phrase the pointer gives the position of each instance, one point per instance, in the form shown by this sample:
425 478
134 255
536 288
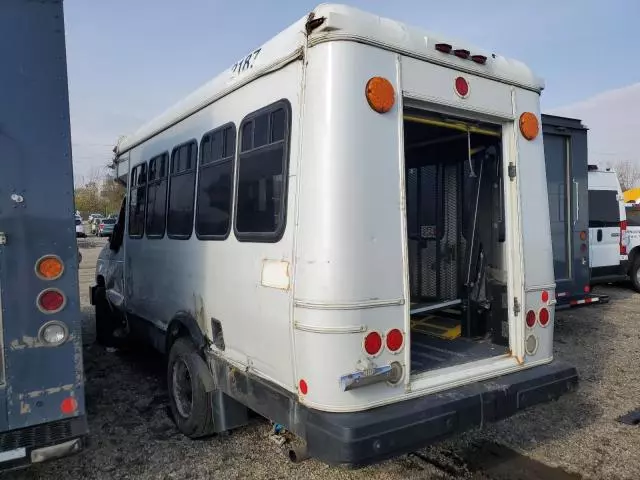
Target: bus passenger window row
163 197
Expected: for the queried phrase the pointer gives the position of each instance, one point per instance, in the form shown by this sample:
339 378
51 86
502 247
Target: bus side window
182 183
118 230
137 200
215 183
157 196
261 197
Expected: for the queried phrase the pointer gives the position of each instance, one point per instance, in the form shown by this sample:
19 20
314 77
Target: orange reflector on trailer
380 94
49 267
529 125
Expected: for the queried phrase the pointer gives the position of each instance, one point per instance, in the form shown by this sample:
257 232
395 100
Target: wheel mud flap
203 373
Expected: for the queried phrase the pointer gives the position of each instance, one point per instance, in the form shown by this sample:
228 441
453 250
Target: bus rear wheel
191 405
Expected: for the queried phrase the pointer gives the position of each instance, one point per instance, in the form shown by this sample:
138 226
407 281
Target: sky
129 60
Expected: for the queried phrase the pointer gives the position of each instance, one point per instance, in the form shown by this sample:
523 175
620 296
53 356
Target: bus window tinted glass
261 195
137 200
603 209
157 196
182 191
215 186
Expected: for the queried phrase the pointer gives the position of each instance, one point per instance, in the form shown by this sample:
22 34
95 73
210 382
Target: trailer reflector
49 267
585 301
51 300
69 405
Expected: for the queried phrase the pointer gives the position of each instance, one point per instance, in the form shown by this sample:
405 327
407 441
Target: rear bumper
367 437
20 448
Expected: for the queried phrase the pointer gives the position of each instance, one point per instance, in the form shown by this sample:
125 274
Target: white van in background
608 241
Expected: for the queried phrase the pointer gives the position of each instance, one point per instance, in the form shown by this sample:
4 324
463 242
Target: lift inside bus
456 241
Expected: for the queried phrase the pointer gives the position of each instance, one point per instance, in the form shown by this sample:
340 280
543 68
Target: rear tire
634 274
190 403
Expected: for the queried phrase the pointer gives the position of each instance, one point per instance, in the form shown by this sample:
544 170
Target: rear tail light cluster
51 301
542 316
461 53
374 342
623 232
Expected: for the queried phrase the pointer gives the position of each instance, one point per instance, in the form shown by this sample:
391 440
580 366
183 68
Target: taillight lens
544 296
373 343
623 230
544 317
395 339
51 300
462 87
49 267
531 318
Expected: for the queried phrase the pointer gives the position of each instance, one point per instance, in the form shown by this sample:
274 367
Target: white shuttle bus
347 232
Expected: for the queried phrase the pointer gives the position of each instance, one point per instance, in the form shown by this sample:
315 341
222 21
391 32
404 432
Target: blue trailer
566 160
42 412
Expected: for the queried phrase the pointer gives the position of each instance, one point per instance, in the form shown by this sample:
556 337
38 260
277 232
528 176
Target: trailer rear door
565 146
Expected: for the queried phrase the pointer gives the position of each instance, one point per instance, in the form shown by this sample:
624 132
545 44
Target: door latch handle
3 238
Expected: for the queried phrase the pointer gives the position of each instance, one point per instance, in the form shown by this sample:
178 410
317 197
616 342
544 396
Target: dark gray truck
566 160
42 412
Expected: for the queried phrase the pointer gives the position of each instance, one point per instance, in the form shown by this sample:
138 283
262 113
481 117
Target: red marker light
69 405
303 387
462 87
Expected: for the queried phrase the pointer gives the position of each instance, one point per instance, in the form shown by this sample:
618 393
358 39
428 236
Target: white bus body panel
297 309
223 279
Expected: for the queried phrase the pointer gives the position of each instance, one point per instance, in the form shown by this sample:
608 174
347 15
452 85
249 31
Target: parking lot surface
133 437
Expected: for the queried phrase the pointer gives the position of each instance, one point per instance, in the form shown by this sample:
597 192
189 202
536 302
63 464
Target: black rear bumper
370 436
47 441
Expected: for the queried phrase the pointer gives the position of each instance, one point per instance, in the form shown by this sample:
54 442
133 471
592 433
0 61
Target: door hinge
512 171
516 306
3 238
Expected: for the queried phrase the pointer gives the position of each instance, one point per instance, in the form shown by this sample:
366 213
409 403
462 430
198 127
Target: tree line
99 195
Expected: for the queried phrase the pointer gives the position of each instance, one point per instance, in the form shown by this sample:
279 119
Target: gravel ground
132 436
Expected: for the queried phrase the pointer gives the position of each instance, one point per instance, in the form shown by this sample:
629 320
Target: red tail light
623 230
395 339
373 343
545 296
481 59
462 87
462 53
51 300
544 317
531 318
443 47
